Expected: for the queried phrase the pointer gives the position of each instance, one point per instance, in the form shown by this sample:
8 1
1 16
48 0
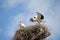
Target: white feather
21 25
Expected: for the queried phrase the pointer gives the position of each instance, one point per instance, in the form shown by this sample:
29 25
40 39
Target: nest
34 32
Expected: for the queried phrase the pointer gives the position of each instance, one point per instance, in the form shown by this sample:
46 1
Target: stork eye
34 17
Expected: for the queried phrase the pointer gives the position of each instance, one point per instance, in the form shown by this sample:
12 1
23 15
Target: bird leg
38 23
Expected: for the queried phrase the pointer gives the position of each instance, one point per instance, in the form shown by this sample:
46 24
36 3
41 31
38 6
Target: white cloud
35 5
39 5
12 3
32 4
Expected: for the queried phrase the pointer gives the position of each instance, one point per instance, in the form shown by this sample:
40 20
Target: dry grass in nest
34 32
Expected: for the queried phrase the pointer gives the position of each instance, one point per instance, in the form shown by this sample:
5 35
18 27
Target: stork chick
39 18
21 25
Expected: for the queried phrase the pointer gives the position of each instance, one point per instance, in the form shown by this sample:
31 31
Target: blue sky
12 11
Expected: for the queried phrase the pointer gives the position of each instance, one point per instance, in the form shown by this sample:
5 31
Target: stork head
34 18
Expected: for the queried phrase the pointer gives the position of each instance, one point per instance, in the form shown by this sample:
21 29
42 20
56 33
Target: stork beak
31 20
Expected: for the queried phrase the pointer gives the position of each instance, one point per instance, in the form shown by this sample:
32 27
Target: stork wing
38 15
